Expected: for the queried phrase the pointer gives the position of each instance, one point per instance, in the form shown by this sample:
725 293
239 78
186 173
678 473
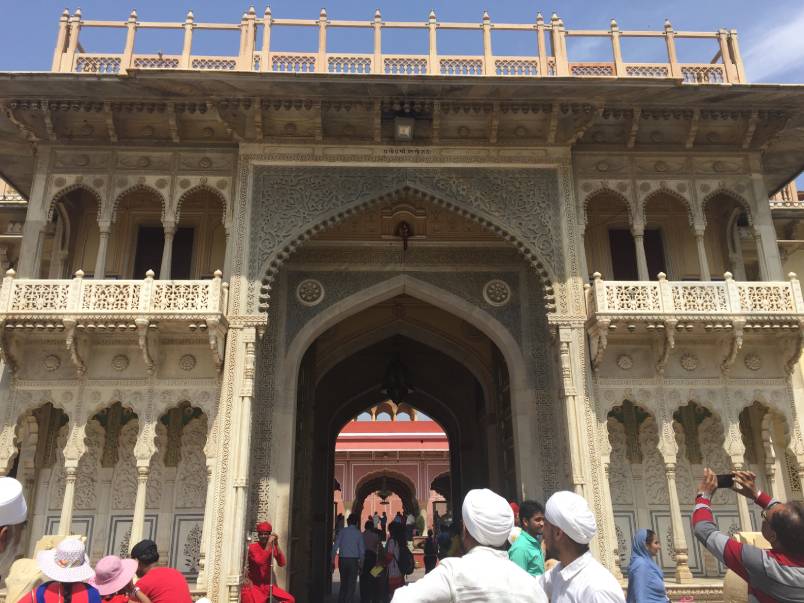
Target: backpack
405 563
82 593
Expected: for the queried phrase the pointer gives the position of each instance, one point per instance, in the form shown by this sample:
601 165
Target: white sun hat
13 509
68 562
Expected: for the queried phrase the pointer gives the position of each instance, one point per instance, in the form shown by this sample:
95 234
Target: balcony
673 308
79 308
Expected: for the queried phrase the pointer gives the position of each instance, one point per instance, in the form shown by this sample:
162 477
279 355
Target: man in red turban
260 580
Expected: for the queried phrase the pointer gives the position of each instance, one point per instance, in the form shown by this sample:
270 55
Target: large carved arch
396 482
291 204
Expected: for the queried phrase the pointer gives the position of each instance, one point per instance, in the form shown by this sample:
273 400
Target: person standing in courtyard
259 582
384 523
645 578
569 526
430 553
371 542
774 575
352 549
160 584
526 551
484 573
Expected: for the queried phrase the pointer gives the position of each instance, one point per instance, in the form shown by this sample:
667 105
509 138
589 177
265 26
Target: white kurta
584 580
481 575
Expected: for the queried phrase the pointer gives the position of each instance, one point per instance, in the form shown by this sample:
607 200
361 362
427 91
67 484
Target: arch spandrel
291 204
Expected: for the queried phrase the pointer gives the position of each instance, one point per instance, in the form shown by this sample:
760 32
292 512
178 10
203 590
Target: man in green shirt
526 551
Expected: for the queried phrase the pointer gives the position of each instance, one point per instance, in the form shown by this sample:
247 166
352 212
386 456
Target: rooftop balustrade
725 67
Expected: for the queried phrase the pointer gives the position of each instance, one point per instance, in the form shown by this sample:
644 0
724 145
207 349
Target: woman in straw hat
67 567
114 580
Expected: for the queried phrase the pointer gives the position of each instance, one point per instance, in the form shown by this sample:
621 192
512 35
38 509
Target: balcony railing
256 54
80 298
683 299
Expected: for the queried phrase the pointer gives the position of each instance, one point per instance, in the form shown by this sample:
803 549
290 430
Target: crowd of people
497 552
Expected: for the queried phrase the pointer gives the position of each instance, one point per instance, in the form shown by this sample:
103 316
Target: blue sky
771 33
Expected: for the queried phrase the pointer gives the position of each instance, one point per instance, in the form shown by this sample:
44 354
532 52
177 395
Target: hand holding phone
725 481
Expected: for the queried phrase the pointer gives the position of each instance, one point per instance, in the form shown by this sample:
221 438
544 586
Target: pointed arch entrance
467 314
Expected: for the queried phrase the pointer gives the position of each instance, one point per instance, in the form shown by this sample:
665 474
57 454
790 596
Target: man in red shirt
773 576
259 583
159 584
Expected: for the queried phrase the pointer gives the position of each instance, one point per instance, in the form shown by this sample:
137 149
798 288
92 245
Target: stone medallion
688 361
51 363
752 362
497 293
625 362
120 362
187 362
310 292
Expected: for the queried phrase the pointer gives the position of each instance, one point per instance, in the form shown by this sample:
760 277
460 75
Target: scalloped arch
273 264
225 205
62 193
134 189
665 190
729 194
602 192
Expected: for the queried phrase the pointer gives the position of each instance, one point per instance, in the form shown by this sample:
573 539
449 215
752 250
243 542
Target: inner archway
451 372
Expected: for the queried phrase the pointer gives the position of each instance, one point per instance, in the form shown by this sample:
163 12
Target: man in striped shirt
773 576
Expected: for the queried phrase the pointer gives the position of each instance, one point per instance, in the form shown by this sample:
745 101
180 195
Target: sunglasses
766 510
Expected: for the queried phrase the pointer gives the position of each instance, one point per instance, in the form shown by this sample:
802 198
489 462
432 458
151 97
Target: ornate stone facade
506 255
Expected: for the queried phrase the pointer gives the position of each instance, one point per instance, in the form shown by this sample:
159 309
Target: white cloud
775 53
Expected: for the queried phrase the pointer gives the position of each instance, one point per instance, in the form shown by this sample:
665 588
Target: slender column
378 66
321 62
206 529
144 449
609 508
265 61
187 46
619 65
731 72
488 57
103 247
241 466
763 265
738 464
138 521
61 41
569 394
562 67
432 63
638 233
70 477
167 251
703 262
33 231
128 51
683 573
68 61
669 450
672 57
541 44
736 57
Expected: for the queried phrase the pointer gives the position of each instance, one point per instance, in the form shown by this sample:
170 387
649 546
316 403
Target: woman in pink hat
114 580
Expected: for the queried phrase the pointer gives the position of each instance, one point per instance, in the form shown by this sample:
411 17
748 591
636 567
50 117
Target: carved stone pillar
70 477
638 233
143 451
703 262
241 466
571 412
669 451
734 447
683 573
201 581
33 233
103 249
167 251
138 521
609 519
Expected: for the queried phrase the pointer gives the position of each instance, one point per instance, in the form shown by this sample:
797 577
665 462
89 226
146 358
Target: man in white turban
484 573
569 526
